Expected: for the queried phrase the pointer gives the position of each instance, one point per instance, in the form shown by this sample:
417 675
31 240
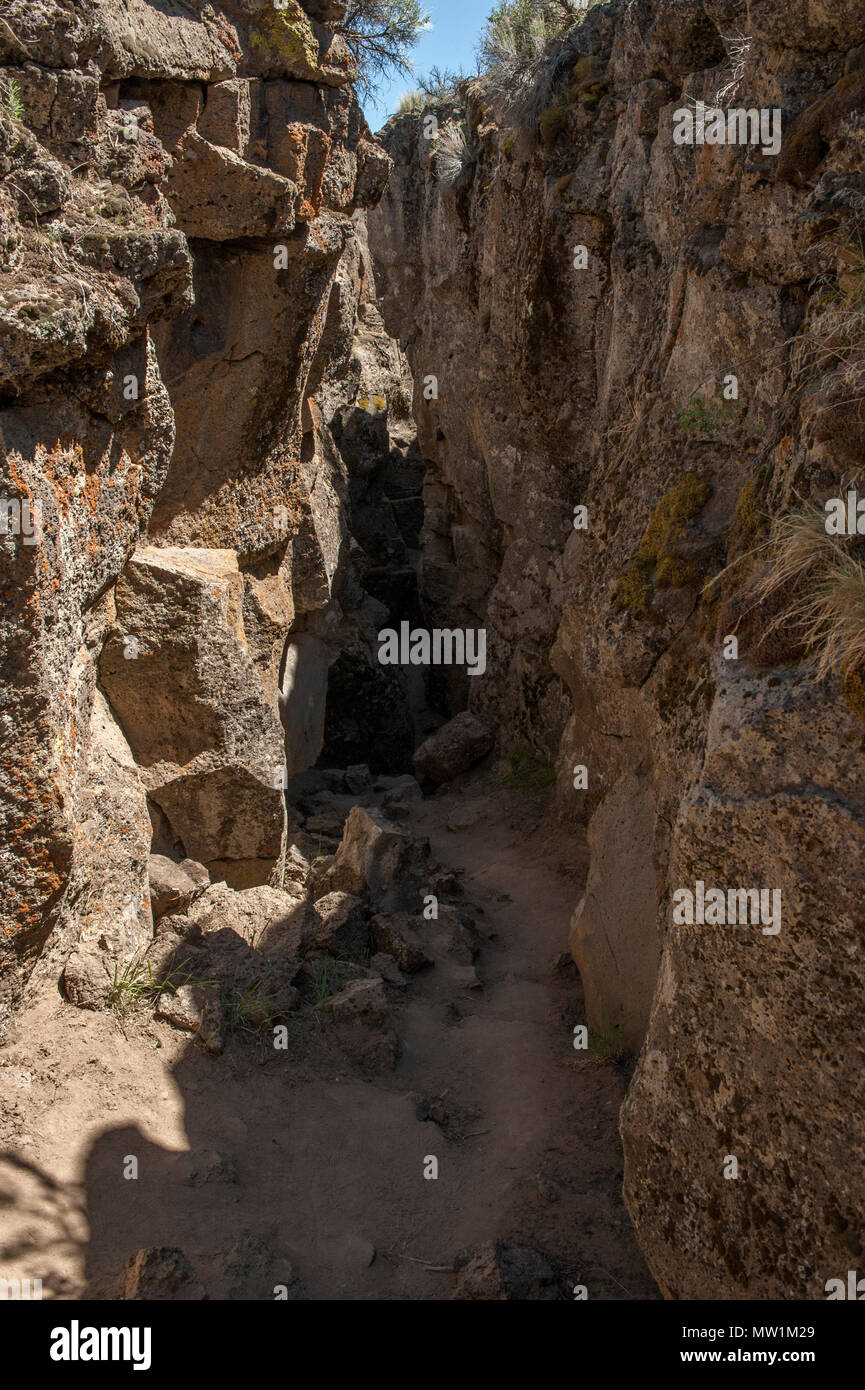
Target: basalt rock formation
186 307
270 384
584 289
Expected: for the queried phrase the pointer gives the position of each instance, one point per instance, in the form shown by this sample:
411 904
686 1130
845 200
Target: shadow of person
142 1196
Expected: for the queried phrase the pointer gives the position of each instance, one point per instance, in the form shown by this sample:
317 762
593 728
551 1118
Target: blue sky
451 43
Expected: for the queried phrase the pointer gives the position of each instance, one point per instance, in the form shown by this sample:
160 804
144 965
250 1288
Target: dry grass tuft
823 585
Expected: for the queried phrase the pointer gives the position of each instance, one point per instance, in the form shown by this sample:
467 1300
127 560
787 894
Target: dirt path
300 1156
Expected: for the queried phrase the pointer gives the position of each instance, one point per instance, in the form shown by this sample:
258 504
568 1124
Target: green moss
528 771
634 591
853 690
289 33
656 564
669 518
588 99
508 145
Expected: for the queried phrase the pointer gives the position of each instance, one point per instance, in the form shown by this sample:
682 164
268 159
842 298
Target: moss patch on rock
656 564
289 33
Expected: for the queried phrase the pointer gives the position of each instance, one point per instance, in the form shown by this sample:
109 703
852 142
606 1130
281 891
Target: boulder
87 977
344 929
396 935
377 857
362 1023
454 748
195 1009
173 886
268 919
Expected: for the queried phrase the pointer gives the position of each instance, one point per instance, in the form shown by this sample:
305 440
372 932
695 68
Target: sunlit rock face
182 274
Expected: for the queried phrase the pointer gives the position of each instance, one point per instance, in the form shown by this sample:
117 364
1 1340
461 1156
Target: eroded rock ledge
185 309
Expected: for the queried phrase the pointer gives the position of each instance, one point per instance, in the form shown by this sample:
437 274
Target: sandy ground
324 1166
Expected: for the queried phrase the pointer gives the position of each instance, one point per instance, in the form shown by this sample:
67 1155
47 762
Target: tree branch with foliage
381 35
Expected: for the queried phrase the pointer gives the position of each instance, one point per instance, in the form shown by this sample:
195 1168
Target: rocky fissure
385 656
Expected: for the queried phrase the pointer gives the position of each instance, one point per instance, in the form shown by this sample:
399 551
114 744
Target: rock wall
185 307
582 288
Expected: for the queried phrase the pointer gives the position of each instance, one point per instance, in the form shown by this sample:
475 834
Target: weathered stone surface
397 936
211 771
361 1020
267 919
195 1009
379 858
217 195
87 977
614 938
173 887
777 797
454 748
344 929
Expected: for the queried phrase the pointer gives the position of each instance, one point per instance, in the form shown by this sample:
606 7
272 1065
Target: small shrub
324 983
605 1043
136 982
12 100
528 771
440 84
455 154
410 101
523 50
699 416
251 1009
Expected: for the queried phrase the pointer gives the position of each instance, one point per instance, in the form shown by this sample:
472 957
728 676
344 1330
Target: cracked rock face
182 274
581 294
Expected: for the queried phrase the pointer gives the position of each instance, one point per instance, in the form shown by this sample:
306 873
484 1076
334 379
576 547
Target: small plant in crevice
526 770
12 99
324 984
455 154
250 1009
697 416
136 983
606 1043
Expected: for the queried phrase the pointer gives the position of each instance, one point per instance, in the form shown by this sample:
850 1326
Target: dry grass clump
813 585
833 343
455 154
524 48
